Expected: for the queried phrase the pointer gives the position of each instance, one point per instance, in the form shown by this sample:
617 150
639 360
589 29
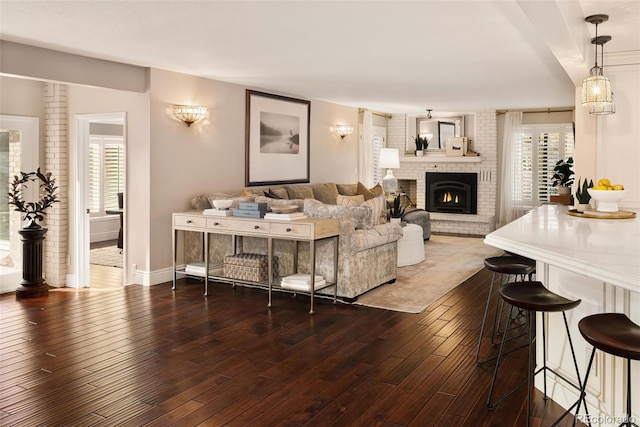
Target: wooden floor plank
135 355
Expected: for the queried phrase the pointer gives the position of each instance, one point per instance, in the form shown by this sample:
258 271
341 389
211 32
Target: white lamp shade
389 158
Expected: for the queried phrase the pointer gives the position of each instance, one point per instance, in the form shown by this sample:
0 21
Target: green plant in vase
563 176
582 195
421 144
396 210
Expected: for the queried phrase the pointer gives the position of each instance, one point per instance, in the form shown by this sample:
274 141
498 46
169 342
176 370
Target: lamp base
390 183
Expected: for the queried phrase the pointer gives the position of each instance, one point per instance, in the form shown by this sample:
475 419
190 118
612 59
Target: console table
310 230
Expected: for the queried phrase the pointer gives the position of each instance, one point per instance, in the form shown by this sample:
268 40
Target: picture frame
277 135
446 130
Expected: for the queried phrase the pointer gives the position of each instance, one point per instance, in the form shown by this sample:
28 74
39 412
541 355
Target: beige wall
89 100
209 156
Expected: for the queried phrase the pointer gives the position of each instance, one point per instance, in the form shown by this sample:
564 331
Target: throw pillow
281 192
271 195
377 190
326 193
365 191
299 192
347 189
356 200
378 207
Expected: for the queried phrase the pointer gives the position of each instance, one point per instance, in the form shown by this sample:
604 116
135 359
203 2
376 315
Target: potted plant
421 144
33 284
396 210
582 195
563 176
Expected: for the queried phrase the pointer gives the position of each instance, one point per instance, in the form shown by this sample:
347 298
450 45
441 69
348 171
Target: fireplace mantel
441 159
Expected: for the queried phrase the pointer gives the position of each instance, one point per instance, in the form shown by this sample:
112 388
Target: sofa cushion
356 200
252 192
205 201
359 215
299 191
326 193
347 189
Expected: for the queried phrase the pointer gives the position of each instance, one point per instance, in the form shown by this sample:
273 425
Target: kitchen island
597 261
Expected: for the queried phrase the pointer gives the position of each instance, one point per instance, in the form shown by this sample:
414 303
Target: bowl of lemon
607 195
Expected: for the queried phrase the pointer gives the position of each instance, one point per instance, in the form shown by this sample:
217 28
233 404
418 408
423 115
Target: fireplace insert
452 192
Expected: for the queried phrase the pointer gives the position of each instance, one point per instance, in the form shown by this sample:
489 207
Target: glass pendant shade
596 89
603 108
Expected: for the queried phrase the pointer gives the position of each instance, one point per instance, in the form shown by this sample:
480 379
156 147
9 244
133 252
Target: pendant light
596 89
603 108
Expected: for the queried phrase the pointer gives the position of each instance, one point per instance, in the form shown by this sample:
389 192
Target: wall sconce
390 159
596 89
344 130
189 113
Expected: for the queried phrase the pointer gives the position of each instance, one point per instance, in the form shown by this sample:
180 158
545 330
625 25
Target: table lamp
390 159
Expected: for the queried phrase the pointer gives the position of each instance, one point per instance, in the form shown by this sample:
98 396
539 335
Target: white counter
597 261
603 249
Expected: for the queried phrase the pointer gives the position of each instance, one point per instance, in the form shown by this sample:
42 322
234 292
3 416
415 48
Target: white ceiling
390 56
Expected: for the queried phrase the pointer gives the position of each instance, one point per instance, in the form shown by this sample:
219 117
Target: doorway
19 148
101 200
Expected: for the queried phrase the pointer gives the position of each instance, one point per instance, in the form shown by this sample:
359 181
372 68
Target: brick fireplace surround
484 140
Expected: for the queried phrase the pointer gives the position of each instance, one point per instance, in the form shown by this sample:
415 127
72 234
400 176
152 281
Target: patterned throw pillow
356 200
378 207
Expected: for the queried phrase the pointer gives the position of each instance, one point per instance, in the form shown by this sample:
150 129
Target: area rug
109 256
449 261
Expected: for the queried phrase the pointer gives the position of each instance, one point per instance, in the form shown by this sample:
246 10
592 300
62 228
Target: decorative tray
603 215
284 209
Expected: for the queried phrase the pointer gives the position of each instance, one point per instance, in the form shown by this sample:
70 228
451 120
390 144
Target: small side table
411 246
121 213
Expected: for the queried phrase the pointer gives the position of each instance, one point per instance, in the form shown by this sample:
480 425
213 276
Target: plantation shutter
542 146
106 173
378 143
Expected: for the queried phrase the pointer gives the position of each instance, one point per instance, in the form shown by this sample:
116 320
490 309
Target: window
106 173
4 189
541 147
378 143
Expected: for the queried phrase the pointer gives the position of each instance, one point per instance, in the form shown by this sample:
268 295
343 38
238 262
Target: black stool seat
534 296
510 265
616 334
613 333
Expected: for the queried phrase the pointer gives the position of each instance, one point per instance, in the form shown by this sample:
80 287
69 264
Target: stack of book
197 268
302 282
285 216
217 212
251 210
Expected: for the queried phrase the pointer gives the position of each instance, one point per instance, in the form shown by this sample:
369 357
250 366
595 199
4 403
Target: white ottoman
411 246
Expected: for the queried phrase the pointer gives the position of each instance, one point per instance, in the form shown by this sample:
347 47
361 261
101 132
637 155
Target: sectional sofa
367 244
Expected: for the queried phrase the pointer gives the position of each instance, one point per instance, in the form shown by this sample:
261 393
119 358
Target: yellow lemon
618 187
599 187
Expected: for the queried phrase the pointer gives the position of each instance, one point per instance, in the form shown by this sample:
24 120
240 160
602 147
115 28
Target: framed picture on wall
276 139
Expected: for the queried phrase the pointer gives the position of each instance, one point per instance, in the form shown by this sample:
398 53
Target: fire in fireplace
452 192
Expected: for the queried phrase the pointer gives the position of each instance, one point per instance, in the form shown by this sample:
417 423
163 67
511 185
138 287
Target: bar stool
505 267
533 297
616 334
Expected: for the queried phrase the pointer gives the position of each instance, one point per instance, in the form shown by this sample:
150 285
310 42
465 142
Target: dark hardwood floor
138 356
